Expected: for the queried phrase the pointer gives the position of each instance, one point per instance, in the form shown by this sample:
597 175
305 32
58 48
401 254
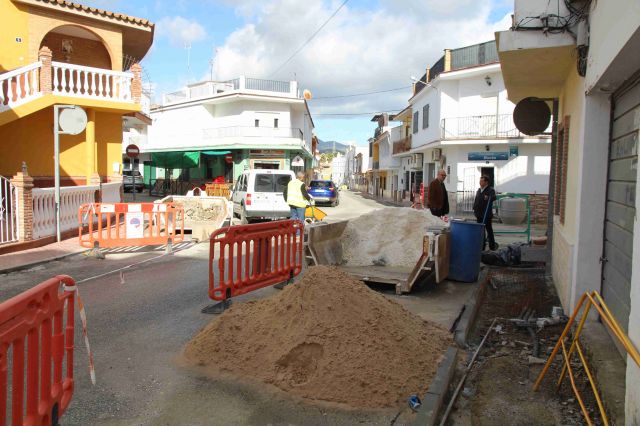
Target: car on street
258 194
324 191
128 178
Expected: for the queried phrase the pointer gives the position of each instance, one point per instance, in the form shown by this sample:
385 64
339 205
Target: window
560 178
243 186
370 149
425 116
275 123
416 117
257 123
282 181
263 183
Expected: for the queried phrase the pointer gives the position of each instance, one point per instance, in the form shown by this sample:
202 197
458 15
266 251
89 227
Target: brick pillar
46 72
136 83
24 184
447 60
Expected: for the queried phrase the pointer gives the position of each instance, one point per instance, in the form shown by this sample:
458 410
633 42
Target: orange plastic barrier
248 257
35 322
130 224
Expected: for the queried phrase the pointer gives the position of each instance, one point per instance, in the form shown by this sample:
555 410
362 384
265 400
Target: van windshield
271 182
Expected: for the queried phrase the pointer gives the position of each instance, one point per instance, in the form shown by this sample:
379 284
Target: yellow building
59 52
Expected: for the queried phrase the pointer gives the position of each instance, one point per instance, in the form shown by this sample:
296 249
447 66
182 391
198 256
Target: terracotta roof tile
95 11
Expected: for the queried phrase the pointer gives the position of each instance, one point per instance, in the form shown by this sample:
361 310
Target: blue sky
367 46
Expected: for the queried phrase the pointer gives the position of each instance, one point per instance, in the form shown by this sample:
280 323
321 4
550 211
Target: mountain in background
327 146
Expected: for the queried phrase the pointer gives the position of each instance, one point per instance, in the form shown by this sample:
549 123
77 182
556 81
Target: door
489 172
621 204
469 187
239 192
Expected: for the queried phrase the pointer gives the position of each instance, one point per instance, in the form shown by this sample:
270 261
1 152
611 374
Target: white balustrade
19 86
71 198
111 192
88 82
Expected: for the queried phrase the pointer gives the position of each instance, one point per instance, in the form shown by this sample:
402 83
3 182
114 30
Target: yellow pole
592 382
90 133
585 314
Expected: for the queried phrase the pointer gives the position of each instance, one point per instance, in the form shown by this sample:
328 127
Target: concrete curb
37 263
434 398
471 310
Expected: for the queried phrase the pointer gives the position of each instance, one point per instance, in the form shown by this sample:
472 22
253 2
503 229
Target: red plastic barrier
35 328
249 257
130 224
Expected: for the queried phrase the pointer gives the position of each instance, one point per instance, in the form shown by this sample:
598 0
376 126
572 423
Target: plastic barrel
466 245
513 211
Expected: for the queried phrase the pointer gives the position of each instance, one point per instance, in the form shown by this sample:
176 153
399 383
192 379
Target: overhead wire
310 38
361 94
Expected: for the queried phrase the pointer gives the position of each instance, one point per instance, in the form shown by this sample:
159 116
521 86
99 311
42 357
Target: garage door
621 201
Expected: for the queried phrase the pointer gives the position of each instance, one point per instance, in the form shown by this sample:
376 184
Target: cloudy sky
368 45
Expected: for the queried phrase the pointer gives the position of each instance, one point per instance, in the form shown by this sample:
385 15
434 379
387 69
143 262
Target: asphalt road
138 327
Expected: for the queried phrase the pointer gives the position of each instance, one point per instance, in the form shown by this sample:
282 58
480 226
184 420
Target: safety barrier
249 257
587 301
40 323
130 224
218 190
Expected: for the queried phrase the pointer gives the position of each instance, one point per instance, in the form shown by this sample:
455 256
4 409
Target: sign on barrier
248 257
130 224
36 341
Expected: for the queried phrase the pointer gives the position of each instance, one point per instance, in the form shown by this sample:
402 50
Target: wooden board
441 258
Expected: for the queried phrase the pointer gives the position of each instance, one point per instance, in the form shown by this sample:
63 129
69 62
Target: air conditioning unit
416 161
436 153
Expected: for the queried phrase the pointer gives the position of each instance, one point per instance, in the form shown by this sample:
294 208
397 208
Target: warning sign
134 225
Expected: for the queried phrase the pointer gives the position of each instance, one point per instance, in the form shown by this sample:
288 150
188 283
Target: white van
258 194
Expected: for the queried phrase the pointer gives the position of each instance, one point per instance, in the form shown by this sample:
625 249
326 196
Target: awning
176 160
215 152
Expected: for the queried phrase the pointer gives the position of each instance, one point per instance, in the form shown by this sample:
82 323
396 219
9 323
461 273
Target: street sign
132 151
72 120
487 156
297 161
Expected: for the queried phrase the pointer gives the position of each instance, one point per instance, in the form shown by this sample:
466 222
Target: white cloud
180 31
360 50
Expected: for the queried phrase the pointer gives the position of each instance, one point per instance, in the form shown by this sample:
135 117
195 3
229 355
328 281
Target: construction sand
388 236
326 338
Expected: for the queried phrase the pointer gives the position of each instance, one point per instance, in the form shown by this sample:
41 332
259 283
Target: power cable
310 38
361 94
356 113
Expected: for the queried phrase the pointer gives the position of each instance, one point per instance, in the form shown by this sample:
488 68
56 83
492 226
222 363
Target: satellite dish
532 116
72 120
307 94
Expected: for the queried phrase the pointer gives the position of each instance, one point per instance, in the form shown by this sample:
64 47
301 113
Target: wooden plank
442 257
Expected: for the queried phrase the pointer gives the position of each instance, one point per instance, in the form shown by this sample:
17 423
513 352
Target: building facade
591 69
215 130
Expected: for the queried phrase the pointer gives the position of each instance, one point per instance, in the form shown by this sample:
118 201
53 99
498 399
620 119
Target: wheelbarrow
313 214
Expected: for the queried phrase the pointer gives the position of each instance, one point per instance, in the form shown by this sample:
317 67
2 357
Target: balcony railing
480 127
26 83
253 132
403 145
209 89
88 82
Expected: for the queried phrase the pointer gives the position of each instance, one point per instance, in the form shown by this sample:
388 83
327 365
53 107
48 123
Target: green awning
215 152
176 160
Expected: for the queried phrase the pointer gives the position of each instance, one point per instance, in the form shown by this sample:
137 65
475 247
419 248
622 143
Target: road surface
138 326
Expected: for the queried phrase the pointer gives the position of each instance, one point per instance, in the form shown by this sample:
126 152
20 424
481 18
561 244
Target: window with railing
425 116
403 145
416 116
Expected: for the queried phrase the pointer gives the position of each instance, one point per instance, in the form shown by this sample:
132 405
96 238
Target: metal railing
479 127
257 132
464 201
470 56
8 212
267 85
403 145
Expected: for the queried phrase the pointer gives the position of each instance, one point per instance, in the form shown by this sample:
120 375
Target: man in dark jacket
485 197
437 198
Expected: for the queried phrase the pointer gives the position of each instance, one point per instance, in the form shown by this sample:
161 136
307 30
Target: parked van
258 194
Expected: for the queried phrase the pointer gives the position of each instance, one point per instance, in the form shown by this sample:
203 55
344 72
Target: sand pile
326 338
389 236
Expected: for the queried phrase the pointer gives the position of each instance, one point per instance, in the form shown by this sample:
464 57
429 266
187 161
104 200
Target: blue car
324 191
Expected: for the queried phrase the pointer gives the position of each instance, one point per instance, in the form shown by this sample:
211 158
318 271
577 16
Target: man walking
296 195
485 196
437 198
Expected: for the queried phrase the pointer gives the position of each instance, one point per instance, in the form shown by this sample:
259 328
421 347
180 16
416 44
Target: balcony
208 89
402 145
480 127
25 84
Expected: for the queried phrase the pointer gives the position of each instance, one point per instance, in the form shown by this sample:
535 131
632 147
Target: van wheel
243 217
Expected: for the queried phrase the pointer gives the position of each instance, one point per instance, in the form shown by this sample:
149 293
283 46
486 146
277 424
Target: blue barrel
466 245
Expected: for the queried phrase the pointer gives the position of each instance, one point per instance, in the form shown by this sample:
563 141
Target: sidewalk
29 258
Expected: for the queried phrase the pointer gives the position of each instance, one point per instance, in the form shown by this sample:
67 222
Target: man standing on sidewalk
485 196
296 195
437 198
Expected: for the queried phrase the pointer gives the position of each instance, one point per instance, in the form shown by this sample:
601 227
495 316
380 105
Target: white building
384 167
339 169
459 119
592 70
216 129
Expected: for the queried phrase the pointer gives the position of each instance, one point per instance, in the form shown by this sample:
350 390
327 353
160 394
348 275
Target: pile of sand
388 236
326 338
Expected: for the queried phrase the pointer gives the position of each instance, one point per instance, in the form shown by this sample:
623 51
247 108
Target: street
137 328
